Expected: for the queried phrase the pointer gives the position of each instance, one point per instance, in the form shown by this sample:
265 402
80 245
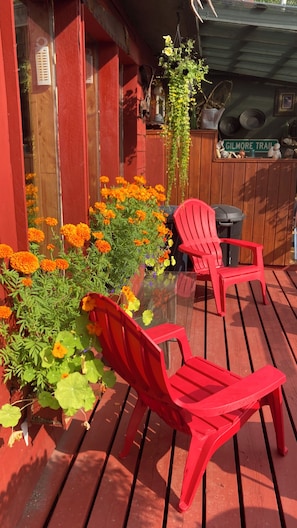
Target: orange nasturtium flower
24 261
5 251
5 312
35 235
48 265
59 351
88 303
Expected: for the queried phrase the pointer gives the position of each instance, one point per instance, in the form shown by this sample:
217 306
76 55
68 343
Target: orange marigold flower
98 234
88 303
162 230
83 231
159 188
64 375
5 251
59 351
62 264
76 241
103 246
39 220
141 214
108 213
48 265
121 181
145 241
140 179
160 216
104 179
24 261
26 281
35 235
50 247
138 242
5 312
106 221
68 229
101 206
130 220
94 328
91 210
51 221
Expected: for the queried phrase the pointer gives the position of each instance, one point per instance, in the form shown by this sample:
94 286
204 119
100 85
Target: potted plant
48 346
184 72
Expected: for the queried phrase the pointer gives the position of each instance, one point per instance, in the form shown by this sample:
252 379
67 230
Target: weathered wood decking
246 484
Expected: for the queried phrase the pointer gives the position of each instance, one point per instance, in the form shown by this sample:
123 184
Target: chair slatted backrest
129 350
196 224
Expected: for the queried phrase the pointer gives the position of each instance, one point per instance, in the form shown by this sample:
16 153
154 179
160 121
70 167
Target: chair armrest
168 331
190 250
242 243
240 394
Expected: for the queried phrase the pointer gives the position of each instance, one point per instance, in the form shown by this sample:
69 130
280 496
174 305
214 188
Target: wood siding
264 190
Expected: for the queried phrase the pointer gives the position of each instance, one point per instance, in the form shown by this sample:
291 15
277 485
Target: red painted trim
13 218
109 105
70 51
133 125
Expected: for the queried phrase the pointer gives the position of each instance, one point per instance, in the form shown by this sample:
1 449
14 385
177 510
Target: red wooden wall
264 190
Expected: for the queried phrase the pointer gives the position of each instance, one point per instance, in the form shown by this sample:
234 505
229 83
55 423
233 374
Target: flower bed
47 340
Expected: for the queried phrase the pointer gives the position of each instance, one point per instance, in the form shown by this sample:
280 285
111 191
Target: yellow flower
5 312
24 261
5 251
59 351
48 265
88 303
35 235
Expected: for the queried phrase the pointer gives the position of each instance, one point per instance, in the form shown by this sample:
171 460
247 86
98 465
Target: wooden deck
246 484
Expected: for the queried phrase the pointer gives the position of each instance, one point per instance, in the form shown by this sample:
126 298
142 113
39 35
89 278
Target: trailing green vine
185 73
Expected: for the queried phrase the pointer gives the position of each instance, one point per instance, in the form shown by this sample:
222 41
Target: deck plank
246 483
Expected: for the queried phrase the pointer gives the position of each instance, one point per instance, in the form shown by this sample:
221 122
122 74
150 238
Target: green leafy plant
185 73
47 340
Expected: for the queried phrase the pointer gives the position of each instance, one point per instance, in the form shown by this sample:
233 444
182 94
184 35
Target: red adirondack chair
201 399
196 224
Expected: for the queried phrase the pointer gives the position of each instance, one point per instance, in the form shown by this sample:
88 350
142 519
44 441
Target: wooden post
70 70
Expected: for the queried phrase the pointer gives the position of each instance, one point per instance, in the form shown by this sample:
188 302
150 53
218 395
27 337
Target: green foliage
46 337
185 73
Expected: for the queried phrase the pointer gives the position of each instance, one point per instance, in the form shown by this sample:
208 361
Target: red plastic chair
196 224
201 399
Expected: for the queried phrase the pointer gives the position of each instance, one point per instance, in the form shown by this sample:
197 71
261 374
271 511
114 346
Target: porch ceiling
247 38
